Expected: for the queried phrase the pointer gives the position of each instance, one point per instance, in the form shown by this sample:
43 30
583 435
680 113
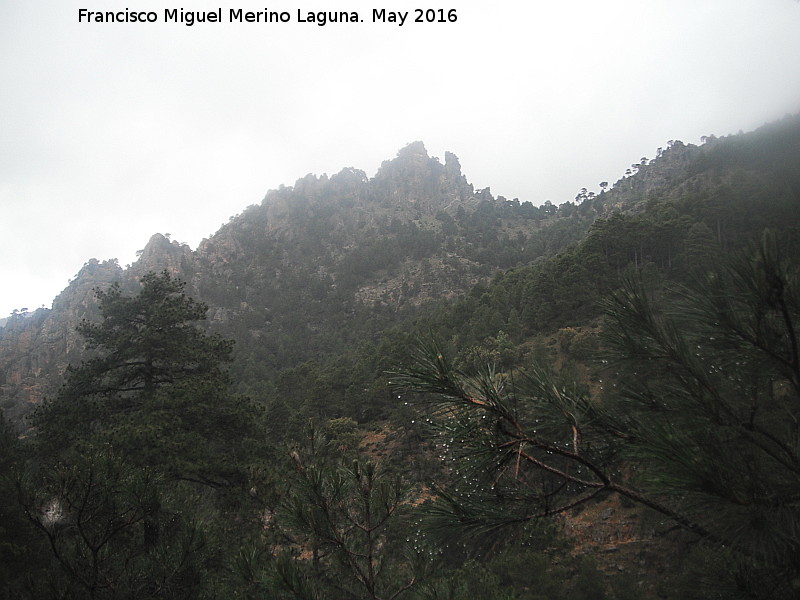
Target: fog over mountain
408 371
332 260
174 128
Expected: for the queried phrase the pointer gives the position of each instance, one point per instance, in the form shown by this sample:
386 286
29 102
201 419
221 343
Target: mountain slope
313 268
309 281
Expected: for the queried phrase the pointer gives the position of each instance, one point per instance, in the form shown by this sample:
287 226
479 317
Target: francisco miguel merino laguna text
238 15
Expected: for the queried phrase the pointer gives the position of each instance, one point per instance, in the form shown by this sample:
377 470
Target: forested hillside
314 270
403 387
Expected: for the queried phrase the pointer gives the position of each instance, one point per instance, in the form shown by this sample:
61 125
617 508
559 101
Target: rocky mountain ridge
333 261
304 246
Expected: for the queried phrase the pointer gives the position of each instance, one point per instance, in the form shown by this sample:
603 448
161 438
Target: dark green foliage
111 532
711 398
709 200
706 416
148 341
156 390
336 527
519 573
136 478
18 541
519 445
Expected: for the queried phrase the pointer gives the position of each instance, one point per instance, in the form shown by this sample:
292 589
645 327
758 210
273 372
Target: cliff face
161 254
36 348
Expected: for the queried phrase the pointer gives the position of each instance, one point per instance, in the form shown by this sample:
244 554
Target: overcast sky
110 132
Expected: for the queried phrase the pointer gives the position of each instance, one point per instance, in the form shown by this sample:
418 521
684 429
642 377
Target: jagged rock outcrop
416 178
162 254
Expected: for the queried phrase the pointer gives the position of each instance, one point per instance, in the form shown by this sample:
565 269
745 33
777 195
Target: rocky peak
452 167
161 253
419 179
81 289
411 164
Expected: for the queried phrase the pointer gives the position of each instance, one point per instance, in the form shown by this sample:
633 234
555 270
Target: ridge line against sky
112 132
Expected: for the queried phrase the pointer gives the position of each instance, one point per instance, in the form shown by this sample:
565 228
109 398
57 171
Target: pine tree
337 529
110 530
704 414
135 459
156 389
